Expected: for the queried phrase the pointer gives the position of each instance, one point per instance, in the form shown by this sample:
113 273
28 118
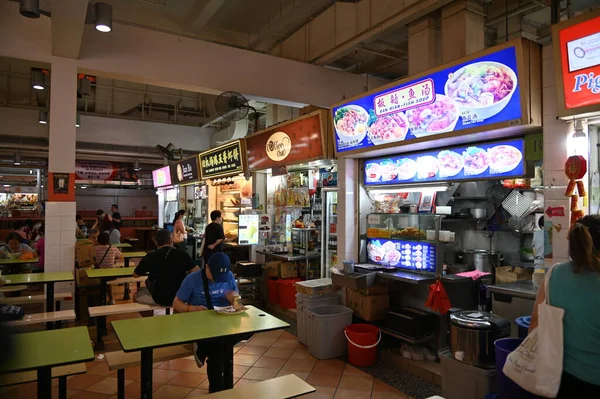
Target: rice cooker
472 336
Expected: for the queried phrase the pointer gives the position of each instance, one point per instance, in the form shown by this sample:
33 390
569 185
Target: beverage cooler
329 203
171 206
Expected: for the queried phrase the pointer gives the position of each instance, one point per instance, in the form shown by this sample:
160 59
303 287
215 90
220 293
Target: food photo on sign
475 93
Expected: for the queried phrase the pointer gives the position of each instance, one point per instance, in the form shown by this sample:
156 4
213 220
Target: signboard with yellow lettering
225 160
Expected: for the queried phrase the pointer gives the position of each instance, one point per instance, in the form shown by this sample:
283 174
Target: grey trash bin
325 330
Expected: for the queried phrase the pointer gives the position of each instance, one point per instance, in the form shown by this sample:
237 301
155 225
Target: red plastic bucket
362 344
273 291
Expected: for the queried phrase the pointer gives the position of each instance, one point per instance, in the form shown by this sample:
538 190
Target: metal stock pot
482 260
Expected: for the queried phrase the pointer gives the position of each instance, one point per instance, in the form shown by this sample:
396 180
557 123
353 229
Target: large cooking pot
482 260
472 336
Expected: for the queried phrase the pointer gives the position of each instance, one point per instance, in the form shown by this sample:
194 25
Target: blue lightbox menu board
476 93
412 255
500 159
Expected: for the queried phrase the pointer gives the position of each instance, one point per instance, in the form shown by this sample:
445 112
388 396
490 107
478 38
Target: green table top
152 332
6 261
36 278
49 348
110 272
123 245
134 255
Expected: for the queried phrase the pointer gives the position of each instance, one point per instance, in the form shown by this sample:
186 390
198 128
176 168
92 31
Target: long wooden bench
287 386
120 360
110 310
34 299
125 281
61 373
48 317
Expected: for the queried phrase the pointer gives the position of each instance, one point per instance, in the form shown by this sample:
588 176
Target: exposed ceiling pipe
379 53
533 6
41 148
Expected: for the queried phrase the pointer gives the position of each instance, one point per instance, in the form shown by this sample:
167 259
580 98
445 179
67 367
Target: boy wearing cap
191 297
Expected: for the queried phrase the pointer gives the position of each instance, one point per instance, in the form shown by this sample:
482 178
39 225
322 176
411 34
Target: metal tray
354 281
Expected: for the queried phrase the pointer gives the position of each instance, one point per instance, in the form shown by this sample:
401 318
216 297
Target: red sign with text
580 59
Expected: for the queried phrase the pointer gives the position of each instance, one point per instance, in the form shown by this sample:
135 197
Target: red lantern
575 169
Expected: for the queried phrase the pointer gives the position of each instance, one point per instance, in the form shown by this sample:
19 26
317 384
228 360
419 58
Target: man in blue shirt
217 278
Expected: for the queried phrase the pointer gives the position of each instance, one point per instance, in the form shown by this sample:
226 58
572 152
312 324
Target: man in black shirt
116 216
166 268
213 236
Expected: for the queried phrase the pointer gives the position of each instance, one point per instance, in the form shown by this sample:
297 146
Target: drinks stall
449 195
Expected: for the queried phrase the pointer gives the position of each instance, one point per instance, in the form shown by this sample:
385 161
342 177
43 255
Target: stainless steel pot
482 260
479 213
472 336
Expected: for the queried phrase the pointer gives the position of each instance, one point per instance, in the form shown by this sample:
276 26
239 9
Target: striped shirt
111 252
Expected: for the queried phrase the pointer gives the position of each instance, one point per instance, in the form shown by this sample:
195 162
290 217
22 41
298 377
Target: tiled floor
265 356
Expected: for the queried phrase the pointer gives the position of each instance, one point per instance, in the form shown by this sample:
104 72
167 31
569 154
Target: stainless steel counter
519 289
406 277
290 257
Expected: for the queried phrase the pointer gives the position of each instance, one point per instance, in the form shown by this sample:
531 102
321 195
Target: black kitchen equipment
248 269
409 322
472 336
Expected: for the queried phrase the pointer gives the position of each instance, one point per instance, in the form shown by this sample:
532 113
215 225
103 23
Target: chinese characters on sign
222 161
414 95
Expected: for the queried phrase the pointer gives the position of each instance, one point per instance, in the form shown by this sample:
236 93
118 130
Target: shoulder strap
547 283
206 290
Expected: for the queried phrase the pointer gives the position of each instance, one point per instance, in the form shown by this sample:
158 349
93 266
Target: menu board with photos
412 255
248 229
185 171
225 160
476 93
500 159
161 177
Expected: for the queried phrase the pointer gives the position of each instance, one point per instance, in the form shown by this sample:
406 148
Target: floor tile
133 373
253 350
351 394
357 383
163 376
286 343
380 386
388 395
107 385
323 380
351 370
270 362
300 365
300 374
260 373
89 395
132 391
206 384
262 341
287 335
195 369
302 353
279 352
177 364
243 381
239 371
330 366
321 393
245 360
155 365
270 334
101 369
196 393
82 382
171 392
189 380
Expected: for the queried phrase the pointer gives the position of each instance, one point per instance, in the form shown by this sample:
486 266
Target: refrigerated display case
171 206
329 216
199 210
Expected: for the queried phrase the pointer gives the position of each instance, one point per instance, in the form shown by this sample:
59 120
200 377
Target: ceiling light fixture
38 79
17 160
7 185
29 8
103 14
43 117
136 165
77 121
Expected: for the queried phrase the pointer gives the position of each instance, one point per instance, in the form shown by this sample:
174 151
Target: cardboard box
367 307
287 270
376 289
272 269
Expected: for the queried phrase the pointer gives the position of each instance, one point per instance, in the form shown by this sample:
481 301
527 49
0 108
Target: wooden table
148 333
43 350
5 263
104 275
48 278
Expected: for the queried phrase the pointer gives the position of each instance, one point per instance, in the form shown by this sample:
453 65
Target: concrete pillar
60 216
556 133
423 45
347 228
463 29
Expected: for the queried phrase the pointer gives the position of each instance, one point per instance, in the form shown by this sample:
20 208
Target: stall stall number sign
476 93
248 229
161 177
185 171
412 255
580 58
222 161
496 160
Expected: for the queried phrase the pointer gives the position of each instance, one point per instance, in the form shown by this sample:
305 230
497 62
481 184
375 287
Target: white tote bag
536 365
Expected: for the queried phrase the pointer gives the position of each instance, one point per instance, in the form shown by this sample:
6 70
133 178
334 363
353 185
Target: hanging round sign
575 167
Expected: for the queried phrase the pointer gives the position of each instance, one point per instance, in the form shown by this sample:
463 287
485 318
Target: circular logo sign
279 146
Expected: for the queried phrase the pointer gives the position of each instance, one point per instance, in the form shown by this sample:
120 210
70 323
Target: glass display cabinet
306 241
407 241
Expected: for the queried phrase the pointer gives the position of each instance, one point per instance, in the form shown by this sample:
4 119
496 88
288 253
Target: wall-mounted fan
170 152
233 106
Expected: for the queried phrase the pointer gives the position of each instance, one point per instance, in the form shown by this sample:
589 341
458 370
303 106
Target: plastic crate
304 302
273 291
325 330
464 381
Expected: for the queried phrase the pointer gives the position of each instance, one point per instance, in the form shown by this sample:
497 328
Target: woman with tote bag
565 368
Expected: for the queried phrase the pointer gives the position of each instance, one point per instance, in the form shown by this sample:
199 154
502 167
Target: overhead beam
68 21
201 15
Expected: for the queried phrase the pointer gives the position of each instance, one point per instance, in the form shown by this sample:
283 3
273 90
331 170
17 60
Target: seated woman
105 255
15 248
40 248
